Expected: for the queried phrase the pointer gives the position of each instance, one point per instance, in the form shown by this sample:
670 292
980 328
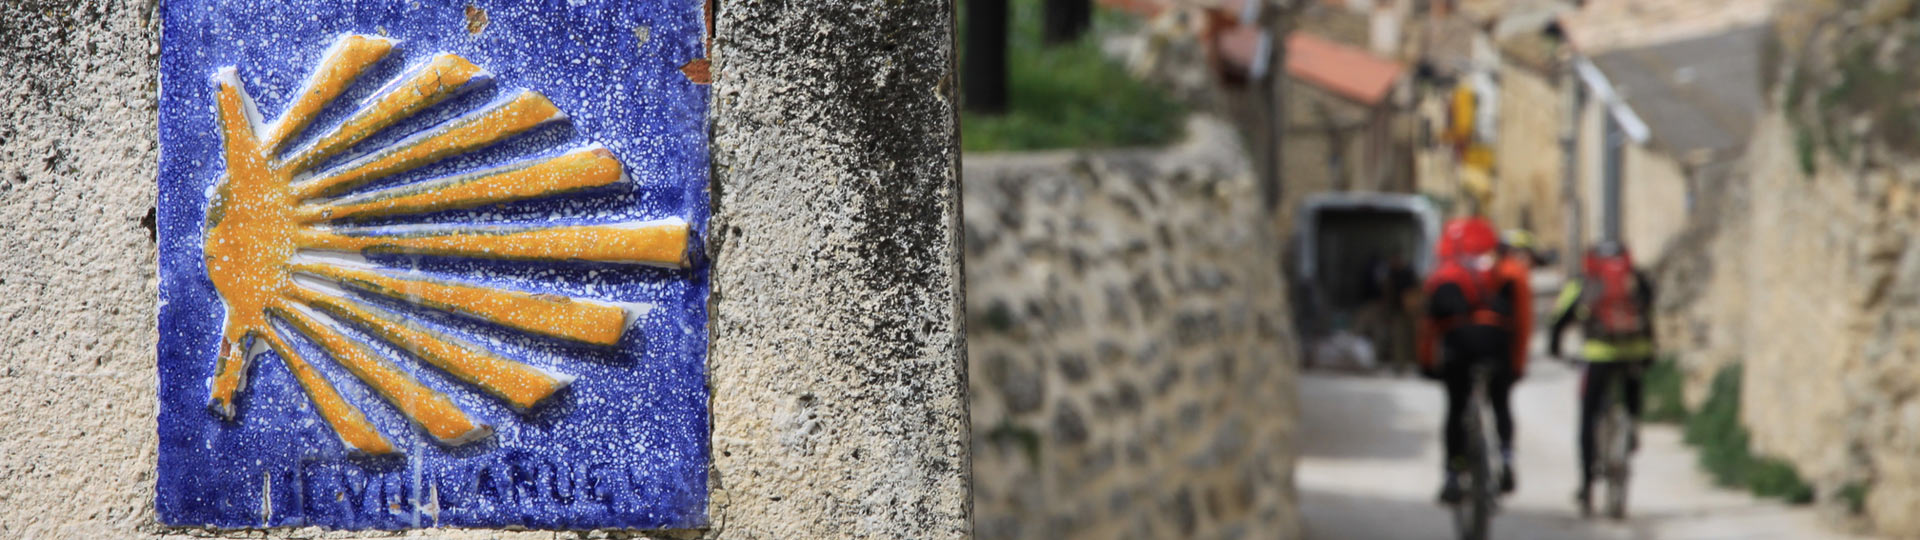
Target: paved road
1370 458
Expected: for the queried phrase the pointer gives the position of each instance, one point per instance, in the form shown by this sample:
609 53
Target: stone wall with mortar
837 363
1130 357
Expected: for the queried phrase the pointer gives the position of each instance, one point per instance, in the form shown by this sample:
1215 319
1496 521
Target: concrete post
838 360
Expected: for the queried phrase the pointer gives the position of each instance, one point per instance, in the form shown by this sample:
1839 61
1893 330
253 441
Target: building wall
1333 144
1324 143
1653 197
1130 356
1654 203
1436 169
837 360
1528 169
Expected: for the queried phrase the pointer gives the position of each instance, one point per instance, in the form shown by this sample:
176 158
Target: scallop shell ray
282 267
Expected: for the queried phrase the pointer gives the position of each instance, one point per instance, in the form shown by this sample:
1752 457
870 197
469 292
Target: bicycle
1613 436
1473 512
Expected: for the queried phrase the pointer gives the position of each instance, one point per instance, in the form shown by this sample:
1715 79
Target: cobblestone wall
1131 364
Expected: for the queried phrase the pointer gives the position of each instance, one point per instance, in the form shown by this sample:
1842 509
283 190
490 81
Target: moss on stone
1854 494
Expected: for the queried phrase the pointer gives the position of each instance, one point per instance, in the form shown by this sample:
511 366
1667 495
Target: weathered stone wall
1802 266
1131 362
1786 290
837 361
1804 299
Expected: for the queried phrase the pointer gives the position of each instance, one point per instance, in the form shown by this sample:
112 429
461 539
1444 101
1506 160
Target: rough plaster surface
838 360
77 165
1131 359
837 364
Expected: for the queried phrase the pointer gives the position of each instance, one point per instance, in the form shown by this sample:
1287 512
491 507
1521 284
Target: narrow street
1370 457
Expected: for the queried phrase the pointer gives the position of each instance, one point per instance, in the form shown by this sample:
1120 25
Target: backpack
1477 281
1615 305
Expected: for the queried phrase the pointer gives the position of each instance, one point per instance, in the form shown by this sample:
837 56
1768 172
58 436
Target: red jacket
1509 273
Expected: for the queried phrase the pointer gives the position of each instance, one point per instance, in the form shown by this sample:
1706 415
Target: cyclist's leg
1500 393
1634 391
1458 379
1592 395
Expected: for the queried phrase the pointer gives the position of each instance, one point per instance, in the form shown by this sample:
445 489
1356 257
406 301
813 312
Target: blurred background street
1198 233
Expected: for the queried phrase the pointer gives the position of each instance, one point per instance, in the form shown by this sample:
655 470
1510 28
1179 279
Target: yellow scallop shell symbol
278 246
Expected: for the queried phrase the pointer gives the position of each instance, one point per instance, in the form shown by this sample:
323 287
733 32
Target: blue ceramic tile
461 295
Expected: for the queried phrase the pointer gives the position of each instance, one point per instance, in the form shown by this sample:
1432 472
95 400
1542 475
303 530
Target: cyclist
1517 260
1472 314
1614 303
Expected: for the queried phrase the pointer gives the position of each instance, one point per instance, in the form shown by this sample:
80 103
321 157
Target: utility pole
1570 166
1063 21
1279 22
983 80
1610 162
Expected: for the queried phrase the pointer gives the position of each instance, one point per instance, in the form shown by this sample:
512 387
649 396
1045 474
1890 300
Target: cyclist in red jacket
1478 303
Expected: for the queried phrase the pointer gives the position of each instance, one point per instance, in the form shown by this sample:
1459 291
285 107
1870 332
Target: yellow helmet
1517 239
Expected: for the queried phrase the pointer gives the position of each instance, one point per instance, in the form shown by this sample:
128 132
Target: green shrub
1770 477
1855 495
1069 95
1803 144
1725 451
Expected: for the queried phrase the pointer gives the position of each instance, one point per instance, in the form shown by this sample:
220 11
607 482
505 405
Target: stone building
1346 129
1690 73
1529 170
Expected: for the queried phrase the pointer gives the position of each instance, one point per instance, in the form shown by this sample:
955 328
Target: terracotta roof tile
1350 72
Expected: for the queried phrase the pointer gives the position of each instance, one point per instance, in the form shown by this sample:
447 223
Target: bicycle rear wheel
1473 513
1616 452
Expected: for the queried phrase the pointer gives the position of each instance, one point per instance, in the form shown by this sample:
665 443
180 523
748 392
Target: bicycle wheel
1618 449
1473 514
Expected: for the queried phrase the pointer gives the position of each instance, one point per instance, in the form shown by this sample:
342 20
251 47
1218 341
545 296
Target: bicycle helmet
1467 236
